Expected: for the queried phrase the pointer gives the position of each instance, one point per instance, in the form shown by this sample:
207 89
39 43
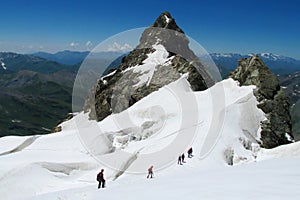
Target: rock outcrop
162 57
276 129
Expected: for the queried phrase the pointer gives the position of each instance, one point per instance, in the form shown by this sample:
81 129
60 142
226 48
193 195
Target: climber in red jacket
150 172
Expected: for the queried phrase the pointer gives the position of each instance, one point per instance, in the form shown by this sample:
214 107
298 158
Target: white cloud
74 44
119 47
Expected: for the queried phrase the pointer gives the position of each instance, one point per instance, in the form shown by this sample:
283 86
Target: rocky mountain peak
253 71
276 129
166 32
161 58
165 20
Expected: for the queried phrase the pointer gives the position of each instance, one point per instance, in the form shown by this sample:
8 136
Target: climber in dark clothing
182 158
190 152
179 160
150 172
100 179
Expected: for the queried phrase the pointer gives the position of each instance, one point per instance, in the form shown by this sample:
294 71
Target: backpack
99 177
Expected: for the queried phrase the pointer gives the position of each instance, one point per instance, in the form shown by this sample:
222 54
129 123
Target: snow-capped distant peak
223 55
3 65
264 55
269 56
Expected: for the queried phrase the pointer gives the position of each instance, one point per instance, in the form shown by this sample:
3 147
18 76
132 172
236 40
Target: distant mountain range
32 102
64 57
280 65
13 62
267 56
35 93
75 57
225 61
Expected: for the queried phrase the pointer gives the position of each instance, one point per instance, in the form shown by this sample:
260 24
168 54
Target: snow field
223 131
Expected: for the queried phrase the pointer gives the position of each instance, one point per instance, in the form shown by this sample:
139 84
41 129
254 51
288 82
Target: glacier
227 164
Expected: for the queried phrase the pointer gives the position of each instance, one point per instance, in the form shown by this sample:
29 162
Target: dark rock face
272 99
292 88
162 57
165 20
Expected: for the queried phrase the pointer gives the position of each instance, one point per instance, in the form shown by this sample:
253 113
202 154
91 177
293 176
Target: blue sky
219 26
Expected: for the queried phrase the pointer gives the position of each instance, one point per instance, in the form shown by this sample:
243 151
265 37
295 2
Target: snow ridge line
127 164
22 146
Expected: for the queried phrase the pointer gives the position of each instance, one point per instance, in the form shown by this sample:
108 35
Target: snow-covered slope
274 179
222 124
222 129
157 58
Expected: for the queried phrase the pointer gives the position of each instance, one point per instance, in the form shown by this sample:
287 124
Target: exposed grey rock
228 156
122 88
271 97
58 128
291 85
